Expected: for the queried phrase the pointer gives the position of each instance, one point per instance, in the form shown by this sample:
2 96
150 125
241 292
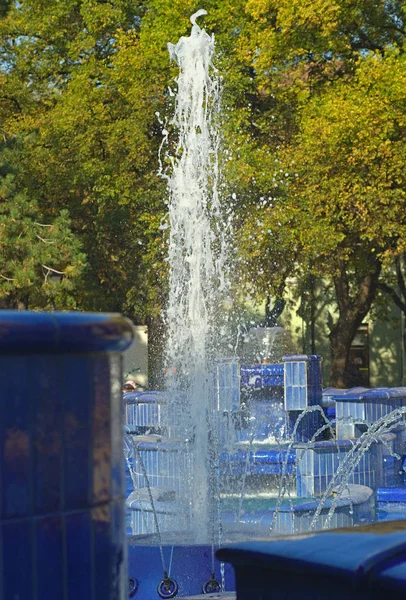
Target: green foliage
31 251
78 94
313 144
350 156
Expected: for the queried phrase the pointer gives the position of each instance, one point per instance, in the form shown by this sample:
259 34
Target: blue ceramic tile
47 397
67 332
16 555
318 463
101 550
119 561
302 374
57 446
49 558
15 438
116 430
77 432
79 565
101 434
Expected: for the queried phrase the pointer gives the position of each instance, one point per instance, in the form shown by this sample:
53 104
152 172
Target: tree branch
6 278
45 241
51 270
392 293
11 99
401 279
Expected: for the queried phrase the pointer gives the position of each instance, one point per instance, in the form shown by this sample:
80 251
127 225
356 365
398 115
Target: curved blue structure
61 471
365 563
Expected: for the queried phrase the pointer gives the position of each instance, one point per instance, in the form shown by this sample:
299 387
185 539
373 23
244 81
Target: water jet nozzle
132 587
211 586
167 588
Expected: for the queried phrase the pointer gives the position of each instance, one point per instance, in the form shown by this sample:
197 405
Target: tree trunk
341 338
398 295
272 314
156 346
353 306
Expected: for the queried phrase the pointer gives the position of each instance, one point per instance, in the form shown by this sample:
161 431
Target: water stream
197 255
349 463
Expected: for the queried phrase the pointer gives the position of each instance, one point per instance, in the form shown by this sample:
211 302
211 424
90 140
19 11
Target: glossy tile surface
61 468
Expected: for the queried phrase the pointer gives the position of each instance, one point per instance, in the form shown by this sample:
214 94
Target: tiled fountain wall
265 441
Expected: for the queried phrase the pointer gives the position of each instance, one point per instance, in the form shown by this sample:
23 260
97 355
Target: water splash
197 251
347 466
284 484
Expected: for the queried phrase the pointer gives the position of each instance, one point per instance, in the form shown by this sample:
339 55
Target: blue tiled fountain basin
391 503
295 515
392 494
254 517
190 565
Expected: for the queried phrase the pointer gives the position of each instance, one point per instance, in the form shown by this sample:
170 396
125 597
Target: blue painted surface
391 579
61 466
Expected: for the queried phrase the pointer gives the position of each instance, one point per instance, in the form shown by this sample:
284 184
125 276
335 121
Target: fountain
233 450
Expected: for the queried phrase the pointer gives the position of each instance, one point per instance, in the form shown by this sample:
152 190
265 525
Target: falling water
197 253
341 477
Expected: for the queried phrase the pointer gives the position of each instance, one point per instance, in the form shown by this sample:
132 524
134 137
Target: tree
82 81
89 138
350 192
31 250
328 80
393 284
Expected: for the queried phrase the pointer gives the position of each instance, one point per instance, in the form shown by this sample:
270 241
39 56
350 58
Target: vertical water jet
197 258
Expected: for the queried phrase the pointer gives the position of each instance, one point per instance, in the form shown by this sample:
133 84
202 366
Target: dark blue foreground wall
364 563
61 467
